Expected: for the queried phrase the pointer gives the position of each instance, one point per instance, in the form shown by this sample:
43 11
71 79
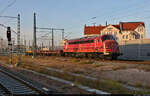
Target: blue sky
73 14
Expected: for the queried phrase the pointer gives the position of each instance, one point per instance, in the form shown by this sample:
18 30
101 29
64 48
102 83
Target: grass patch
78 72
124 82
118 68
86 62
145 68
137 84
97 65
75 60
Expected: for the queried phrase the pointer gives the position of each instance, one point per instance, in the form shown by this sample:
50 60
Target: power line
127 10
8 20
6 27
9 5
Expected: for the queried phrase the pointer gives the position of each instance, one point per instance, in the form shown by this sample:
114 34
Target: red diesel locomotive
104 45
99 46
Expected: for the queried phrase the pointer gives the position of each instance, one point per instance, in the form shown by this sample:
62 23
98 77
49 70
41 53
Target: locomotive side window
82 42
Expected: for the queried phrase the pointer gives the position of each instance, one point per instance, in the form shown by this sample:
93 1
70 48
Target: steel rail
6 90
27 84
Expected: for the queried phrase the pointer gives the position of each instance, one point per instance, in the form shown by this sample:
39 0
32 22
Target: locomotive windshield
107 37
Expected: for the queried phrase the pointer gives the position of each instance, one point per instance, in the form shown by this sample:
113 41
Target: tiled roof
93 29
117 26
131 25
122 25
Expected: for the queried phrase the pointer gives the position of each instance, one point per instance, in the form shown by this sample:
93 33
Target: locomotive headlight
107 47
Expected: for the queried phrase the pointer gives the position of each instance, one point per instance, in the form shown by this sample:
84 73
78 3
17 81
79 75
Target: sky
71 15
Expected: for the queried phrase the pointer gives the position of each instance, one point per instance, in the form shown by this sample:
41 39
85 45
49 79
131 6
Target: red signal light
8 34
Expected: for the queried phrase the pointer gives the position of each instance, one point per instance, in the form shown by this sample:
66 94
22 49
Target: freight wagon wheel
86 55
64 54
92 55
74 55
97 55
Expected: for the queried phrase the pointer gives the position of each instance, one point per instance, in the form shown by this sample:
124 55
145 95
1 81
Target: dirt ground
134 73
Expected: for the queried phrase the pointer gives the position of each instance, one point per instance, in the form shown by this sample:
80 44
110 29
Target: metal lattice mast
52 39
18 41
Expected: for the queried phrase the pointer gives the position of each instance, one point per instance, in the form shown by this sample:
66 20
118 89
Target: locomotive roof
85 38
89 37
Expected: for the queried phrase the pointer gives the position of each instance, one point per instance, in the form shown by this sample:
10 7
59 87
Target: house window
126 36
123 36
109 29
117 38
140 29
115 33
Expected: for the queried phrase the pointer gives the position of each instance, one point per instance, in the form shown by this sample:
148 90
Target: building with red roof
93 30
121 31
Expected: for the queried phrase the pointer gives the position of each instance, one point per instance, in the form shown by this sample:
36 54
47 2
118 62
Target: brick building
122 31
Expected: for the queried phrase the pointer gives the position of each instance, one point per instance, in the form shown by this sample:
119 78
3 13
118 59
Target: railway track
3 91
12 85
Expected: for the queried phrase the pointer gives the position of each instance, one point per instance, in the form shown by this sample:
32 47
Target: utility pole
49 45
18 41
24 44
1 44
34 37
42 46
13 43
52 39
29 44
